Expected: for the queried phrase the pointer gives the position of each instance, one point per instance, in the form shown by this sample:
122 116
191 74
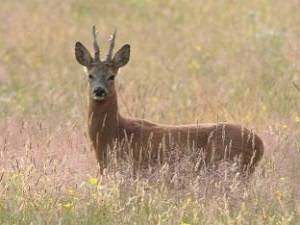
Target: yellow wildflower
71 191
284 126
67 205
184 223
93 181
297 119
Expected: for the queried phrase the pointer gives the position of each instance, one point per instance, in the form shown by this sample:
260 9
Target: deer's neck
103 120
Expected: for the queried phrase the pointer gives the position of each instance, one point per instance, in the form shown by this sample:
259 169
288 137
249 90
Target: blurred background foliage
191 60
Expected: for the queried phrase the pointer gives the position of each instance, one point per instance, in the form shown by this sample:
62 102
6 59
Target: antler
111 46
96 46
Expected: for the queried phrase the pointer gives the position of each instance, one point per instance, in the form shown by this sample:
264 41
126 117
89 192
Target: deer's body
149 141
215 141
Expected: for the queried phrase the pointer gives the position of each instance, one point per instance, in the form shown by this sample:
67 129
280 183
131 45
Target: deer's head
101 74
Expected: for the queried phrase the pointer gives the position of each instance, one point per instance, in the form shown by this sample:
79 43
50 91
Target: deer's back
217 140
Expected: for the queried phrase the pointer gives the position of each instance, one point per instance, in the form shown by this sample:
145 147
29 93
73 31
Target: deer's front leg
101 154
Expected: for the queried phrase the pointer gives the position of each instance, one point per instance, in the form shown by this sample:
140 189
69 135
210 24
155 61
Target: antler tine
96 46
111 46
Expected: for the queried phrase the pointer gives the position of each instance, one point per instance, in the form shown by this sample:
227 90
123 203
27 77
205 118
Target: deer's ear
82 55
121 57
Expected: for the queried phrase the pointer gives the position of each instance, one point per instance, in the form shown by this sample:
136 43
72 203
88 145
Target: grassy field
205 61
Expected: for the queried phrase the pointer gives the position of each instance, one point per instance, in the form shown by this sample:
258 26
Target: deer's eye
111 77
91 76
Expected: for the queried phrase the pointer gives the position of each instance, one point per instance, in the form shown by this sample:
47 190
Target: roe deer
214 141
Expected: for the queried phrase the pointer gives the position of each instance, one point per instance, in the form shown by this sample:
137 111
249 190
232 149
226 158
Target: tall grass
205 61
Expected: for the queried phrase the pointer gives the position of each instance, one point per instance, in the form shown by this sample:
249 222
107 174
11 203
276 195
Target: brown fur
215 141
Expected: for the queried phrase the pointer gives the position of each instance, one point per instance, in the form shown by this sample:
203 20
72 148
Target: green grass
206 61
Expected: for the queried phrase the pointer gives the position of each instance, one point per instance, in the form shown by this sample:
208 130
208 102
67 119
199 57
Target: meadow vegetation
191 61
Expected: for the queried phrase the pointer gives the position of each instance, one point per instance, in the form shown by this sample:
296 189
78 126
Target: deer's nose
100 92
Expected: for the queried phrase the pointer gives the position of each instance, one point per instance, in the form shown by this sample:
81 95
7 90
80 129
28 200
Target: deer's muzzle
99 93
